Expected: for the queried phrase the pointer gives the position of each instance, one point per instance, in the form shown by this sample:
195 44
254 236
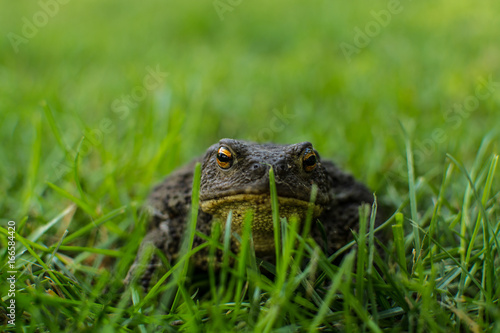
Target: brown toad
235 176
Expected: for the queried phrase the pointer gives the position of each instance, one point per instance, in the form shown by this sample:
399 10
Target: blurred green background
258 70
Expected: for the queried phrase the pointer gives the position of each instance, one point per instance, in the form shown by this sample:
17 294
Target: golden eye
309 160
224 158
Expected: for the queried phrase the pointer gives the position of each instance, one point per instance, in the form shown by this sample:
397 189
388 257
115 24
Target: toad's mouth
260 205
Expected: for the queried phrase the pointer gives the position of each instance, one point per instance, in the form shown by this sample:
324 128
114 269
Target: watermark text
32 25
11 271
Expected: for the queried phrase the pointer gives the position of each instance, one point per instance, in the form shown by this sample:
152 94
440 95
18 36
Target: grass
80 154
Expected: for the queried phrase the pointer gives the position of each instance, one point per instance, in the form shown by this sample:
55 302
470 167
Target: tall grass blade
276 216
399 243
412 191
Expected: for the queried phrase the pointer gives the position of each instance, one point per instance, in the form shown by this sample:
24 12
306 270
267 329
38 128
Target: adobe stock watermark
453 117
224 6
11 274
278 123
32 25
363 37
121 108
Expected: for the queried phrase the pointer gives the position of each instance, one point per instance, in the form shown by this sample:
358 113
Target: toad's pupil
223 157
311 160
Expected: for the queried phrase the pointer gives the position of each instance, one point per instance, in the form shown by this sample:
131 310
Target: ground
100 100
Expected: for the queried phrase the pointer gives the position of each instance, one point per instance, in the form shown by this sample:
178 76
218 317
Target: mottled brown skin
246 185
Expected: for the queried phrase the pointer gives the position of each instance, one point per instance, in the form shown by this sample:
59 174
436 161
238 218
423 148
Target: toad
235 177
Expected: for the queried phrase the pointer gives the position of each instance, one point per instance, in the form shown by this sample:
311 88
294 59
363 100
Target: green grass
78 161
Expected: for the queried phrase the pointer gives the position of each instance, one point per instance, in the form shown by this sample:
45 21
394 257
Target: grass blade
399 243
412 191
276 216
79 202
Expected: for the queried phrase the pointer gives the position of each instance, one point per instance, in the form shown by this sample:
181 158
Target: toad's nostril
258 169
281 169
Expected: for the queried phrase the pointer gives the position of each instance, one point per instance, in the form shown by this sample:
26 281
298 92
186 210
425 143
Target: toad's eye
309 160
224 158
